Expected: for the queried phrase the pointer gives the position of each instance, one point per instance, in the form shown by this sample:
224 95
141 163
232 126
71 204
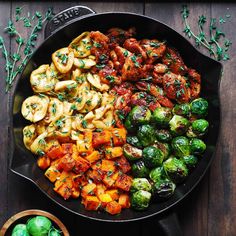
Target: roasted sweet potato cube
52 173
123 182
55 152
119 136
104 198
67 148
108 165
124 200
101 138
94 156
79 181
95 175
110 178
114 193
66 163
43 162
75 193
113 152
113 207
97 165
88 189
81 165
64 190
91 203
100 189
123 164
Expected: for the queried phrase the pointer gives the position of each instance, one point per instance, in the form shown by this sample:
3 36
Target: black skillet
59 32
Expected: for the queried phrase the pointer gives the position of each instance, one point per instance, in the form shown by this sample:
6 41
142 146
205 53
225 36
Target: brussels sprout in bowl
32 223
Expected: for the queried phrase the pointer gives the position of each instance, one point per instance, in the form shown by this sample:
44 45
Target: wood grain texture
5 12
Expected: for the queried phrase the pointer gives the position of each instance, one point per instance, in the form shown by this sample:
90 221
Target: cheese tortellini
69 98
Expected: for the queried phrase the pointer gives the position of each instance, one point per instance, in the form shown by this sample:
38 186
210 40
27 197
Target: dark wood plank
5 11
193 213
222 198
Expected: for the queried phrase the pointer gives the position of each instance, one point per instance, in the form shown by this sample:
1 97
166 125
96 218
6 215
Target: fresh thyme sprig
213 45
14 61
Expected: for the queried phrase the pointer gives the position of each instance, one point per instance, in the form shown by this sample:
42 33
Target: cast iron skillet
59 32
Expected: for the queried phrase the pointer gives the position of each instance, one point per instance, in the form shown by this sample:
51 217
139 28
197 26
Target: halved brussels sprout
146 135
190 161
139 169
179 125
152 157
132 153
140 200
199 107
180 146
199 127
163 189
133 140
181 109
162 116
157 174
197 146
190 133
129 125
164 147
140 184
175 169
140 115
163 135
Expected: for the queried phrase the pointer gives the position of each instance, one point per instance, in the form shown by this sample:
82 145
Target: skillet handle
170 225
65 17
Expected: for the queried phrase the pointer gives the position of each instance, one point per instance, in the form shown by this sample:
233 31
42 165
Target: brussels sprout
39 226
190 133
140 200
181 109
190 161
197 146
146 135
175 169
199 127
162 116
164 147
140 184
129 125
152 157
20 230
199 107
179 125
139 169
132 153
180 146
140 115
163 189
133 140
163 135
54 232
157 174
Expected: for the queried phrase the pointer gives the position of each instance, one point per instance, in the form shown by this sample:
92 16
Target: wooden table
211 207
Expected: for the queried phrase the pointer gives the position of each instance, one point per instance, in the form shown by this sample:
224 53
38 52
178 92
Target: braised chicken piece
195 83
156 91
154 49
118 36
176 87
174 61
100 47
158 72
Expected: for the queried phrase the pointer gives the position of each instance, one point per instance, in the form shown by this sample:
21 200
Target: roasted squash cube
91 203
64 190
81 165
113 207
124 200
66 163
67 148
43 162
113 152
94 156
88 189
110 178
52 173
100 189
114 193
101 138
123 182
108 165
119 136
55 152
95 175
123 164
